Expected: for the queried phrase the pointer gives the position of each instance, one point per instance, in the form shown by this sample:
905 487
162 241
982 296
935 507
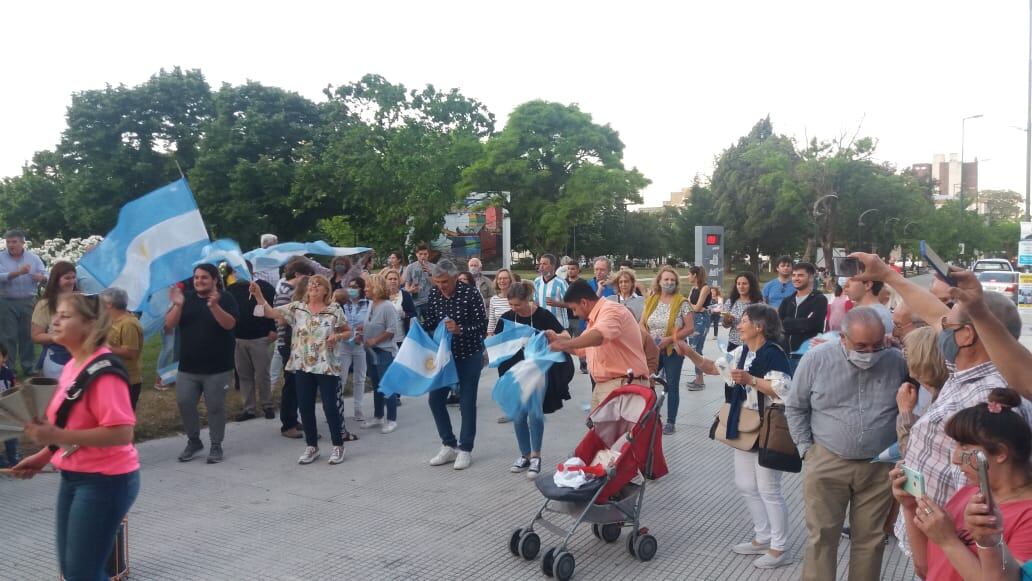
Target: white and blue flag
501 347
155 243
522 388
277 255
228 251
889 455
423 364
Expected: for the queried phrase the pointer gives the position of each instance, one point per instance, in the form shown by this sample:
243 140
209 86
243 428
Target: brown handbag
749 423
776 448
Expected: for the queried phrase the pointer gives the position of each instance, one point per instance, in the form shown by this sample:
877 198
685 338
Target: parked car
1000 281
995 264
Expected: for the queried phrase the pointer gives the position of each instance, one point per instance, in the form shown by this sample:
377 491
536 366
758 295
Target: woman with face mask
667 319
352 353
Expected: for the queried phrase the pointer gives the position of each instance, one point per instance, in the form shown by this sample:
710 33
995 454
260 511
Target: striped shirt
929 448
553 289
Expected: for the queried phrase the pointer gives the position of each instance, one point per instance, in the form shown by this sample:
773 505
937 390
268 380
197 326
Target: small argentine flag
423 364
278 255
228 251
154 244
889 455
823 337
523 386
501 347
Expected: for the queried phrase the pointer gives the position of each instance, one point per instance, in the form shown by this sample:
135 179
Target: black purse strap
105 364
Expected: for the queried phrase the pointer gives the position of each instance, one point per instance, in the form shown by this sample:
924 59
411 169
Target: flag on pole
501 347
154 244
522 388
278 254
228 251
423 364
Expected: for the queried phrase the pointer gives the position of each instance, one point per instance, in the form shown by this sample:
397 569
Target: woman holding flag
530 428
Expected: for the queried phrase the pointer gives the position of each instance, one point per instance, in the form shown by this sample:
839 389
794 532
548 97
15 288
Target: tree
560 169
1000 205
33 200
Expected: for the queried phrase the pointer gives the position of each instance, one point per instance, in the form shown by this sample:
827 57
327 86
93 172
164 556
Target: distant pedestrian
269 275
699 300
255 334
479 280
379 330
352 353
125 338
746 292
780 288
549 288
62 282
416 278
21 274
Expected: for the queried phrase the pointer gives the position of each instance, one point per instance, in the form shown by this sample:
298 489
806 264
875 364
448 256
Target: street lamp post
888 231
859 227
963 123
817 225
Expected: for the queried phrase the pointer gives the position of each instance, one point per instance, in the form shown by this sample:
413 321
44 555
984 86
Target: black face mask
950 304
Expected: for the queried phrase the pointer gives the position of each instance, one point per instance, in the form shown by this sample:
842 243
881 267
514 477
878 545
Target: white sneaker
372 423
337 455
445 455
750 548
389 427
463 460
768 561
311 453
535 468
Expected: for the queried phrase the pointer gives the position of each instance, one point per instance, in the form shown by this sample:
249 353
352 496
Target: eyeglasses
952 326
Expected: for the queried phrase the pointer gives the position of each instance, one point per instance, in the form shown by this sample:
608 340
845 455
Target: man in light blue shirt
781 287
549 289
21 273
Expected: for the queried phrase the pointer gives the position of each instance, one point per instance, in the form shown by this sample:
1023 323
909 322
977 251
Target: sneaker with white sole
311 453
535 468
750 548
768 561
372 423
445 455
389 427
462 460
521 464
337 455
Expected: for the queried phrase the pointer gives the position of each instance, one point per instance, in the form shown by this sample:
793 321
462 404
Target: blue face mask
948 345
353 293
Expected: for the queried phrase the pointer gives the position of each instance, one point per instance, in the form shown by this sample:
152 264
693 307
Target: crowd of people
940 376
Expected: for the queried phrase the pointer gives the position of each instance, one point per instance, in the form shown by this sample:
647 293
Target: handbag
749 423
777 451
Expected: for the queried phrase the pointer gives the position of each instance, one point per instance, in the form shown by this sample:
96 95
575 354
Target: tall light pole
963 123
859 228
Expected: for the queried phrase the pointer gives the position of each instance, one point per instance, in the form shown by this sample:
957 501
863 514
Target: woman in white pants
759 369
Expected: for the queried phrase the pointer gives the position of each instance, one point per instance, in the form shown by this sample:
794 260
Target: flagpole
181 174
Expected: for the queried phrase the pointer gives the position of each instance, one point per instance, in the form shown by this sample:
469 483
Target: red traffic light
712 239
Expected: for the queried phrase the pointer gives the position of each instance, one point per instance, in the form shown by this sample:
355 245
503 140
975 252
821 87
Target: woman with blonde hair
627 293
499 303
928 367
667 319
381 324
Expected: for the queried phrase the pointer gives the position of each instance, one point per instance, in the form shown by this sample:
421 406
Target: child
7 382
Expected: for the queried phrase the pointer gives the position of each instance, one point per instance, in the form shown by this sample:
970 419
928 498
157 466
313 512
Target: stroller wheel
547 561
530 544
563 566
610 533
645 547
631 541
514 542
594 531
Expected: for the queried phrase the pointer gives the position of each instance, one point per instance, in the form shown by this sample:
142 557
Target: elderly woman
627 293
667 319
699 299
318 324
379 327
761 368
926 365
125 338
61 283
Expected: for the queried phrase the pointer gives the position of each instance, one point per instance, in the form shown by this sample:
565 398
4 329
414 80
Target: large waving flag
278 254
522 388
423 364
501 347
154 244
228 251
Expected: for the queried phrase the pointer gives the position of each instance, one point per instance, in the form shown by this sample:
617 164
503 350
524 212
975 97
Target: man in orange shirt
612 340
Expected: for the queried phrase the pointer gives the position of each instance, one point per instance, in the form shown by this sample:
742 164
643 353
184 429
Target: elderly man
269 275
21 273
972 376
484 284
600 284
462 309
612 340
842 413
125 338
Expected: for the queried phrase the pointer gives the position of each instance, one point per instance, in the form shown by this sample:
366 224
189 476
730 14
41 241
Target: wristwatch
754 380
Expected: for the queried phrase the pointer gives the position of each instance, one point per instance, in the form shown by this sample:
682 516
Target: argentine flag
155 243
277 255
889 455
423 364
522 388
228 251
501 347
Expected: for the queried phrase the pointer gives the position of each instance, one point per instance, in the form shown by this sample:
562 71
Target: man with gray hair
269 275
21 273
600 284
461 308
842 413
125 338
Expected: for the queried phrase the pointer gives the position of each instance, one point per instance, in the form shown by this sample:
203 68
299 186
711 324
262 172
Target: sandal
349 437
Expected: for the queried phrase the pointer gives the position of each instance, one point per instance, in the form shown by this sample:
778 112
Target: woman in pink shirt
94 450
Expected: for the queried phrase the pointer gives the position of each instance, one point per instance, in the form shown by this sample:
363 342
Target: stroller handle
657 378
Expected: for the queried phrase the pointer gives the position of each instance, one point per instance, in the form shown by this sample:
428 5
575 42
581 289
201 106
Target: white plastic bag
573 478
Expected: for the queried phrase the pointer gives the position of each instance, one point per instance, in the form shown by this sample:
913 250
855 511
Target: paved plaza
386 514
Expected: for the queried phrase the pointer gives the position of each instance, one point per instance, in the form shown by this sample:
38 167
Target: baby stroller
626 422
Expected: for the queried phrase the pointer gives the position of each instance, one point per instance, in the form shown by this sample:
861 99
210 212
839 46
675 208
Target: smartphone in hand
915 484
938 264
982 465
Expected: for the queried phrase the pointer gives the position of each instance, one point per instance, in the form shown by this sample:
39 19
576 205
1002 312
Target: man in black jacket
802 314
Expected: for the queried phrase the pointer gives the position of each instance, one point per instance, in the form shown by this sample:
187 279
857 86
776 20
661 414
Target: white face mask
860 360
668 287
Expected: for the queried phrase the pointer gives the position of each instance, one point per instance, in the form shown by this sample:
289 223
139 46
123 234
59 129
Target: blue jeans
11 451
90 508
469 381
381 361
698 341
307 384
530 430
671 366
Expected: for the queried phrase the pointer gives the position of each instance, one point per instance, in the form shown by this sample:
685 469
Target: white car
1000 281
996 264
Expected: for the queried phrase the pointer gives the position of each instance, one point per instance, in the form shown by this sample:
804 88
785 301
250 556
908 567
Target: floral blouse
309 350
736 310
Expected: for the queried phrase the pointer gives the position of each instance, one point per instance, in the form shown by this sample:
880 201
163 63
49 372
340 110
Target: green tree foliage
33 200
560 169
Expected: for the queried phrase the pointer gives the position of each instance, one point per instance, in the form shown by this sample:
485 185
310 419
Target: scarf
652 303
